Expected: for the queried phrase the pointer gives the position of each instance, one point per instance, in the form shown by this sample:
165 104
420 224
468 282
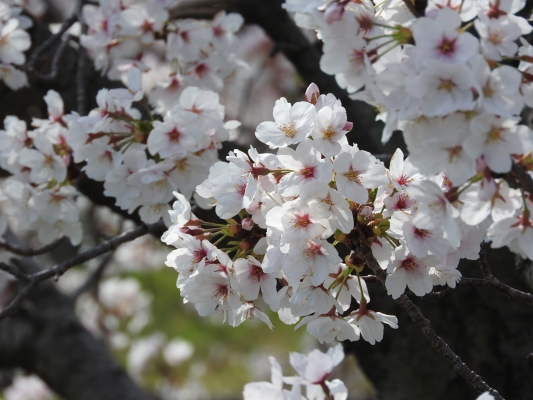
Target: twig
519 178
360 244
370 278
50 41
93 279
14 271
55 272
81 100
411 7
32 252
502 287
54 69
80 82
438 295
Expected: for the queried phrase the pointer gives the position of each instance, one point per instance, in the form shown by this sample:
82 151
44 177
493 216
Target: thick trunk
46 338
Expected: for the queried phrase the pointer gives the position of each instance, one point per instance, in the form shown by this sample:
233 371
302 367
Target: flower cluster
456 97
40 195
313 371
181 52
140 162
142 141
114 142
14 41
289 205
288 214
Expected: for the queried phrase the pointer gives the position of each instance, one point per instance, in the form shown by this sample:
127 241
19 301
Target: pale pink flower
355 173
409 271
293 123
440 39
370 323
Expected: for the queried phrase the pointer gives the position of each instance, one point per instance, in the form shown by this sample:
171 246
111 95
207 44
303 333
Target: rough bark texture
491 333
46 338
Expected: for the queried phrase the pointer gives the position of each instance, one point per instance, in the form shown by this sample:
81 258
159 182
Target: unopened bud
234 229
312 93
339 236
348 126
247 224
354 262
245 245
366 212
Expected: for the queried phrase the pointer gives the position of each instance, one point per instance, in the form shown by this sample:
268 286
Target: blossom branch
502 287
360 244
32 252
55 272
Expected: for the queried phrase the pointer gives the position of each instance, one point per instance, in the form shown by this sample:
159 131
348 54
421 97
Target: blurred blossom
178 351
28 388
142 351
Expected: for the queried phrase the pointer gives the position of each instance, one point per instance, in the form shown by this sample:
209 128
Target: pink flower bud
334 12
247 224
366 212
312 93
66 159
348 126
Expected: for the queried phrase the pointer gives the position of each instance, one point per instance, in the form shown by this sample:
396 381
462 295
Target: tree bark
491 333
46 338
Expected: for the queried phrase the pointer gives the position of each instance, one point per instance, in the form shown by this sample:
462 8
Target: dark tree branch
81 92
438 295
93 279
46 338
519 178
48 43
502 287
14 271
32 252
411 7
54 69
360 245
55 272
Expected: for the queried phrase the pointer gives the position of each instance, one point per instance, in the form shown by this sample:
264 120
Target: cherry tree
324 222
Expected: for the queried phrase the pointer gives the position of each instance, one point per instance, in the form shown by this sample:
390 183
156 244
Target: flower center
288 129
421 233
329 133
308 172
453 152
446 84
302 221
256 273
352 175
174 135
240 188
198 255
313 251
409 264
447 46
495 135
